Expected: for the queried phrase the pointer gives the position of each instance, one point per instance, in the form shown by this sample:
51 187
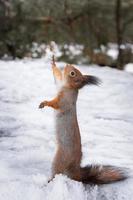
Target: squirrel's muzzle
88 80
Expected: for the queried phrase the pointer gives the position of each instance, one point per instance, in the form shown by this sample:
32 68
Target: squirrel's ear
57 73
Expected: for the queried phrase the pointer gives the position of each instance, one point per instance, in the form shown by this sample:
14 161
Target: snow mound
62 188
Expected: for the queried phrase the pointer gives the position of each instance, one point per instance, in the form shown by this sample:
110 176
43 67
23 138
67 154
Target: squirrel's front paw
43 104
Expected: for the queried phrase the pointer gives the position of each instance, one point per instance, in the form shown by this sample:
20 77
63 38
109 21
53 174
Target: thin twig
53 60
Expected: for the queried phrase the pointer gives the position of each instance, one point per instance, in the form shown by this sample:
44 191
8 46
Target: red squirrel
69 152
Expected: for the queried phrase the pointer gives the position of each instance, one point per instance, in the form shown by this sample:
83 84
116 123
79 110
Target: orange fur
57 72
54 103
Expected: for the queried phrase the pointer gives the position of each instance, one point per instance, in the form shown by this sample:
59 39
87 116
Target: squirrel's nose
88 79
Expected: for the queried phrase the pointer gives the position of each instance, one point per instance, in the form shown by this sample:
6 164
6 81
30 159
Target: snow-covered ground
27 134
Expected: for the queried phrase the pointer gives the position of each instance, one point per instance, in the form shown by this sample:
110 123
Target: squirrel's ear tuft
91 80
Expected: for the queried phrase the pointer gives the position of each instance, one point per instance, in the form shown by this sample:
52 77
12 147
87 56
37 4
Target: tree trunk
119 36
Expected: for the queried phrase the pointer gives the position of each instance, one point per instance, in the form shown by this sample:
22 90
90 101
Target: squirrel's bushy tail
101 174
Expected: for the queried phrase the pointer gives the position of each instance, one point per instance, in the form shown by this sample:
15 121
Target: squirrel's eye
72 73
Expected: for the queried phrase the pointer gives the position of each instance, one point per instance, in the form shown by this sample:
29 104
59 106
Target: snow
113 53
129 67
27 134
112 49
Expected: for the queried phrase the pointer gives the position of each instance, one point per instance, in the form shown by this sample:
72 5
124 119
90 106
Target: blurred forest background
89 26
